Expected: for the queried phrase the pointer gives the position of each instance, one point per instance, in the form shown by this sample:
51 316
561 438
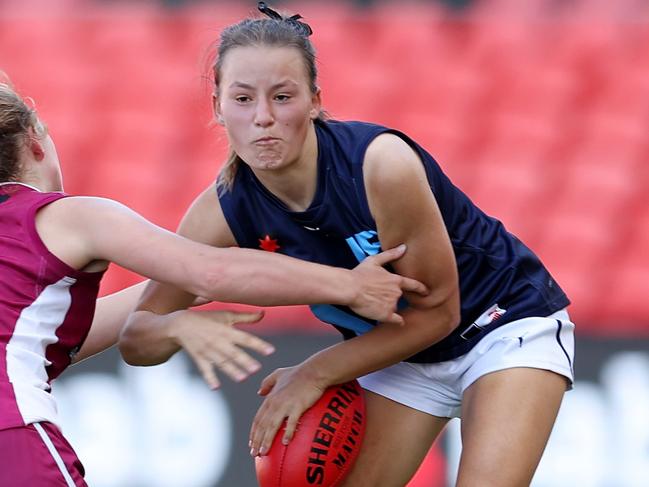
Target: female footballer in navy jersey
491 343
54 250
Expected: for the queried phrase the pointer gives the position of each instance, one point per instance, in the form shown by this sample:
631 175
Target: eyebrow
246 86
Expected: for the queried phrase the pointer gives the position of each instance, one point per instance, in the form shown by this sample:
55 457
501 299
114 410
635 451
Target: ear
217 109
316 102
35 147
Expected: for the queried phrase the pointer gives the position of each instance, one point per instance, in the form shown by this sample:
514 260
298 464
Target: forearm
381 347
147 338
265 279
111 312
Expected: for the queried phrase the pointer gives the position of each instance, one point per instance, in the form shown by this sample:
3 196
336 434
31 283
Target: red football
324 446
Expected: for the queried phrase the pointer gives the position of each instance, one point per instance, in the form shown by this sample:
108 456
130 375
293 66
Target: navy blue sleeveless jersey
501 280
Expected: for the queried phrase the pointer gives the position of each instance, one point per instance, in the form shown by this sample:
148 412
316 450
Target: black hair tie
302 27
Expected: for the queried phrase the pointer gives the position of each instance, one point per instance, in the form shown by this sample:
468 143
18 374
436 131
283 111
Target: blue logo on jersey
364 244
335 316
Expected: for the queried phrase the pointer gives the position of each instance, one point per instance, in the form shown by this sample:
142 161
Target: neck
295 185
36 181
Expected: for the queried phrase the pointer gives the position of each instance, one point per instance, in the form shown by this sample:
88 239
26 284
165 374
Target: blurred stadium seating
537 109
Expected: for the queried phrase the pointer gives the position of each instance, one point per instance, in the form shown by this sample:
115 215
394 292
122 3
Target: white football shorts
437 388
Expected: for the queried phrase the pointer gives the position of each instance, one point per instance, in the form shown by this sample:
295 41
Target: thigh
507 417
396 441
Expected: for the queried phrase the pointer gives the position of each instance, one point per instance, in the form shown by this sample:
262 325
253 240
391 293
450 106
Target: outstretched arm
109 231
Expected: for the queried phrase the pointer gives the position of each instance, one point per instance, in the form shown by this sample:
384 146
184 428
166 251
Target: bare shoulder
390 161
80 211
68 226
204 221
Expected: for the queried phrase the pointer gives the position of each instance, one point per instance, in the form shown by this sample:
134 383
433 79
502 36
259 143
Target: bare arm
111 313
104 230
158 328
405 210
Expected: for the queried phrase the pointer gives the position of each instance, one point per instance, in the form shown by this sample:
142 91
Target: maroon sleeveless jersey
46 309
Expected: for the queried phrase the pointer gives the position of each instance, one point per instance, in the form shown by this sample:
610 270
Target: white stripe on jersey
34 331
55 454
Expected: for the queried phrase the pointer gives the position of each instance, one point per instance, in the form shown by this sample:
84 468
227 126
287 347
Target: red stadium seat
537 110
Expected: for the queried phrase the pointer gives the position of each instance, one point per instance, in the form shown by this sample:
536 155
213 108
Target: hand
380 289
200 301
289 392
212 341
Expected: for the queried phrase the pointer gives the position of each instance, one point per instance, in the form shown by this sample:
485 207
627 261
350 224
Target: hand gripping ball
324 446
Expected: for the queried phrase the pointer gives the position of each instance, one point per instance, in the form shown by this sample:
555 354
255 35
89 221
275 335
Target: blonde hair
17 123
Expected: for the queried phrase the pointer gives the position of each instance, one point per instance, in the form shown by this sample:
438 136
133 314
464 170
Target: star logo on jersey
268 244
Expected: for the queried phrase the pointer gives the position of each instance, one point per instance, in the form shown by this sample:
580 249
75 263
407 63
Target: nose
263 114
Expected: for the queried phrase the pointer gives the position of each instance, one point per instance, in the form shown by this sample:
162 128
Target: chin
269 164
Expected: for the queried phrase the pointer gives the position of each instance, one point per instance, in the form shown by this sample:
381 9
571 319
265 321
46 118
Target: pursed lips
266 141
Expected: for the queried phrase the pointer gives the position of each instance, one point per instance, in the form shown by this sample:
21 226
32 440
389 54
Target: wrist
173 327
315 374
349 288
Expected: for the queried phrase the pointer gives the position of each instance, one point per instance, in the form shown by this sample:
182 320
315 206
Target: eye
282 97
242 98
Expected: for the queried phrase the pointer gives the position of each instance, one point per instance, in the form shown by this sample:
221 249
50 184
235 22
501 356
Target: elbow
131 347
142 342
445 309
453 316
452 312
128 347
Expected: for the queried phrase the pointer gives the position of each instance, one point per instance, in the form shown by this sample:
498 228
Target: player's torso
338 229
46 309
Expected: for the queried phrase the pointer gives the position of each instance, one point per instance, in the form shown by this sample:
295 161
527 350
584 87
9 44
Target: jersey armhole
357 169
57 264
225 200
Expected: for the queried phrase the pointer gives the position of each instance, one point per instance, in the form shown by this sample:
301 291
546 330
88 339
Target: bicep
115 233
405 211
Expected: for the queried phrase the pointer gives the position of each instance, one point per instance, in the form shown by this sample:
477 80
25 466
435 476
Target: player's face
266 105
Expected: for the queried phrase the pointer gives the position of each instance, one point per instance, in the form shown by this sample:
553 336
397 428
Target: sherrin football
324 446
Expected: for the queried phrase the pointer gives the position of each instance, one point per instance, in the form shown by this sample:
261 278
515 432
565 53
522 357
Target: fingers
267 384
395 319
236 371
230 360
200 301
247 317
389 255
225 317
235 362
412 285
291 426
254 343
207 371
263 433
